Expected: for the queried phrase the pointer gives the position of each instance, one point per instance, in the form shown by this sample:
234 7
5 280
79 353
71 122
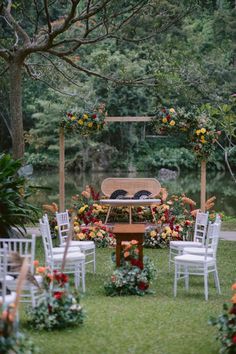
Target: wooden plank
203 185
128 119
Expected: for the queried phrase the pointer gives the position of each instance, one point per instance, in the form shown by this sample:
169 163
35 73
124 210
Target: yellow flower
172 110
172 122
82 209
92 234
99 234
77 228
81 236
203 130
174 233
163 235
80 122
198 132
90 124
73 118
85 116
164 120
153 233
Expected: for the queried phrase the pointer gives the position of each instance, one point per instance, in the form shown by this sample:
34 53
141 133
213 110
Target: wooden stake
68 239
203 185
62 170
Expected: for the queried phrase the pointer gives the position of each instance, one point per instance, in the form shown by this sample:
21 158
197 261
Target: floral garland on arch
198 130
85 123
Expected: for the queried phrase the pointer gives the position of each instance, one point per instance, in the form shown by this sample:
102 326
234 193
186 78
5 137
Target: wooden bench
131 186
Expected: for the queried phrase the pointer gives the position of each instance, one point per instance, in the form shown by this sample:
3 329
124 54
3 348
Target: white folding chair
75 261
200 229
5 297
87 247
24 247
202 265
212 244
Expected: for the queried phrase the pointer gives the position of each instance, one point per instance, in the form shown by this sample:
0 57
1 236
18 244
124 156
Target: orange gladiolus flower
134 242
41 269
126 254
234 286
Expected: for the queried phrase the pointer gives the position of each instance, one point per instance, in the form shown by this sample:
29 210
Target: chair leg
175 281
83 276
32 298
186 278
217 282
94 261
130 214
206 283
170 259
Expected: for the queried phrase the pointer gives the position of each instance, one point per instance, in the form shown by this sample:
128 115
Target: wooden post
62 170
203 185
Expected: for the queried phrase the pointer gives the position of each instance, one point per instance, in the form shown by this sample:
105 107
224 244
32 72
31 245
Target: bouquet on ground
133 277
11 340
226 324
60 306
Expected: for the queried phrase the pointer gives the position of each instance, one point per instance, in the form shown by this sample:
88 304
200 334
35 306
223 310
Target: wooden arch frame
121 120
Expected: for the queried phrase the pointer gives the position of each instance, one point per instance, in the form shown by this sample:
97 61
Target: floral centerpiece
59 307
99 233
133 277
226 324
11 340
84 123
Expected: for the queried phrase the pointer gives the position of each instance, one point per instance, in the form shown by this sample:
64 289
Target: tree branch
47 16
10 19
4 54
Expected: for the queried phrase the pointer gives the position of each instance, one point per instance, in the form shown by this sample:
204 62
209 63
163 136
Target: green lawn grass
157 323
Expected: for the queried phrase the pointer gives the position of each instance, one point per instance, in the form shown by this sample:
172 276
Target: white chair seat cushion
9 298
183 244
82 244
57 250
190 258
200 251
70 257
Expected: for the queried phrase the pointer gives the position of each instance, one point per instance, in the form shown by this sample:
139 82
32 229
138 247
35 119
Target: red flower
94 116
136 263
234 339
58 295
143 286
233 310
168 117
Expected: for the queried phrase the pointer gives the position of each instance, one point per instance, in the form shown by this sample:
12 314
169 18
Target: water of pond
220 185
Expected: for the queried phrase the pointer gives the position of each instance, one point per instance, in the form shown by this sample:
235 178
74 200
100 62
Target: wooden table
128 232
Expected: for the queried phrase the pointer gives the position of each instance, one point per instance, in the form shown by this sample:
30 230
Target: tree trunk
15 76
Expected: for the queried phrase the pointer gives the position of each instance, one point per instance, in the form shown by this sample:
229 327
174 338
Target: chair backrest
213 235
200 228
25 247
63 223
46 236
3 271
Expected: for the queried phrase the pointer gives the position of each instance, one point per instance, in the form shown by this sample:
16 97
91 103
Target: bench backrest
131 185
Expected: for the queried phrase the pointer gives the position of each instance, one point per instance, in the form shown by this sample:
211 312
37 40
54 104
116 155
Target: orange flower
50 276
41 269
126 254
234 286
234 299
36 263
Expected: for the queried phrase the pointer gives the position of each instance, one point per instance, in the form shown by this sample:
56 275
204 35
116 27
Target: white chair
5 298
87 247
200 229
75 261
212 244
24 248
202 265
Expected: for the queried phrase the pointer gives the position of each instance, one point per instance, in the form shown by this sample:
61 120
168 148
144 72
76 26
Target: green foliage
15 211
226 325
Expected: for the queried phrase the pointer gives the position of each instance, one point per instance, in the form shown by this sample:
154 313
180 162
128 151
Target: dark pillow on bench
143 194
118 194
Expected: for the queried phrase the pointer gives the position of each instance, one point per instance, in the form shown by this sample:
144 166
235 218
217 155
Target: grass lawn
154 324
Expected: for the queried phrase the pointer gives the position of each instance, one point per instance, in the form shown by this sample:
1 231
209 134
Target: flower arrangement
84 123
204 137
59 307
165 120
133 277
11 340
99 233
226 324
